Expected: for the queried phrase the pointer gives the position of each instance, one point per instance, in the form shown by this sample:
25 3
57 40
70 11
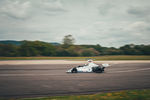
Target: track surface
51 80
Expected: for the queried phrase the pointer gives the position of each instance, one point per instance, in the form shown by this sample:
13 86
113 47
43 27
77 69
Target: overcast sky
104 22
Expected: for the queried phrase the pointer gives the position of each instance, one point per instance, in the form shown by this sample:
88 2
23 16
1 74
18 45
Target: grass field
118 57
121 95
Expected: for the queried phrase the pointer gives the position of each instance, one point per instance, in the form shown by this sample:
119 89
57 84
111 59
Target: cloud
15 9
116 34
139 11
105 22
23 9
52 7
106 8
138 26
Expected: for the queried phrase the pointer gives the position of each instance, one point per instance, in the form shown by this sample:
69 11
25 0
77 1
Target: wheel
103 68
74 70
97 69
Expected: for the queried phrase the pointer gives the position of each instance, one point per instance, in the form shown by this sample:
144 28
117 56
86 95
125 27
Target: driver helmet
90 60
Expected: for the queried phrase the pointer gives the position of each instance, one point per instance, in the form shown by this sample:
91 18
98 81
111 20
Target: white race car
90 67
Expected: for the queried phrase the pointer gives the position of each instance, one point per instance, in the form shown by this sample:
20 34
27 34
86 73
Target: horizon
74 44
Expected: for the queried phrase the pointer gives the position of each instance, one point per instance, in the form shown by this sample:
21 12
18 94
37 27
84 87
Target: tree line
67 48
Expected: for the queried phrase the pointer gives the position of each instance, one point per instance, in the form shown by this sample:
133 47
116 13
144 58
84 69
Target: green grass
118 57
121 95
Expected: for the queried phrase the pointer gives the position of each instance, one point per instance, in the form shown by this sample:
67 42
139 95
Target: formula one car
90 67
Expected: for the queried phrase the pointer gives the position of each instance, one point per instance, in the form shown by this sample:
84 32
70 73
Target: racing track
51 80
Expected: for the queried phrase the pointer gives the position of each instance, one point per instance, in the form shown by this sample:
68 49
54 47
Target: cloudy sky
104 22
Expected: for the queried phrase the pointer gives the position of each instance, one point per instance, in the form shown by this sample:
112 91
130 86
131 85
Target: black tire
97 69
103 68
74 70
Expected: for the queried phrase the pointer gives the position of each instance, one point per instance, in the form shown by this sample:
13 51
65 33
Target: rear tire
103 68
97 69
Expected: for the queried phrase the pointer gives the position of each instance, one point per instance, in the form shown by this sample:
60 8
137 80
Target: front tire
74 70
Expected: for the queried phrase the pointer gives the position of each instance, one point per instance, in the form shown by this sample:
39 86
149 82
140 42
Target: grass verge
121 95
118 57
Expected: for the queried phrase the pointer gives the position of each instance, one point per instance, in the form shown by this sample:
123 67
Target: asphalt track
52 80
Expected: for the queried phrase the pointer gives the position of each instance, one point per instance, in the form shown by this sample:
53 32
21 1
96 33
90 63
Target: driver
91 64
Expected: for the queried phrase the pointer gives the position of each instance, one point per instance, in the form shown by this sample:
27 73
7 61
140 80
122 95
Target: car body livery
90 67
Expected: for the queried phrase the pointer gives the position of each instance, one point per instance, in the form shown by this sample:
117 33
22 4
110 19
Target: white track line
130 70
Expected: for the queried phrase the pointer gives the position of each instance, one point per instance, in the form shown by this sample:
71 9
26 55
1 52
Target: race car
90 67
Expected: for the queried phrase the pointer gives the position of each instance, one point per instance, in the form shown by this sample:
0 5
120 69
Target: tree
37 48
74 50
68 40
27 49
8 50
146 50
89 52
